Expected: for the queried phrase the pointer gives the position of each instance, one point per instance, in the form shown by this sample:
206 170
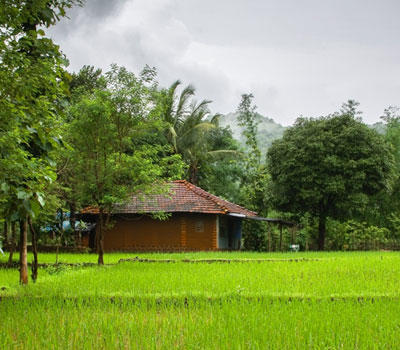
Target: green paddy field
205 301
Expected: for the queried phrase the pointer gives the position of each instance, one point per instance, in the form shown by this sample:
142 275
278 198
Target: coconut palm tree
187 125
173 109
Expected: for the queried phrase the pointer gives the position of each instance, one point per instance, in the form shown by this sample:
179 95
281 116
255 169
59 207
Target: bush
254 235
354 235
308 233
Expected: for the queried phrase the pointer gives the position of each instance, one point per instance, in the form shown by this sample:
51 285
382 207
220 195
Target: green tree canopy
32 91
327 167
385 207
105 162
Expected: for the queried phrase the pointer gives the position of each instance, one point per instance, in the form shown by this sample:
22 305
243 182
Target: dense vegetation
93 137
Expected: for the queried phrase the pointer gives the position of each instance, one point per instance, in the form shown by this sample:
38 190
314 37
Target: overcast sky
298 57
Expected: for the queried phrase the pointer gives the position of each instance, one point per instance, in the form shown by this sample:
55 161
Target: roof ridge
204 194
234 204
212 197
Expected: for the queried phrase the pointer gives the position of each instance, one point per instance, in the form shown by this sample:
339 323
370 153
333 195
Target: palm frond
184 98
170 113
172 136
194 134
199 111
202 106
215 119
174 85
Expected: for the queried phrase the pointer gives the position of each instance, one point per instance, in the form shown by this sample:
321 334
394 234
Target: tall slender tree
255 182
32 87
255 178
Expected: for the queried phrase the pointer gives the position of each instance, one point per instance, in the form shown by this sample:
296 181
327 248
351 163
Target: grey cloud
98 9
92 13
297 57
308 23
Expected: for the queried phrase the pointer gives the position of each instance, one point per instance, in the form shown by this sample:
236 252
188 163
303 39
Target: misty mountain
268 129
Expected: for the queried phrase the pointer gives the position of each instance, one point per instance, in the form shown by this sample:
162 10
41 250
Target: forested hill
268 129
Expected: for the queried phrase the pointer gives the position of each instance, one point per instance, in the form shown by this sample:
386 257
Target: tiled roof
182 197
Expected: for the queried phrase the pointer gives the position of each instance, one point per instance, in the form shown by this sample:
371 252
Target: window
199 226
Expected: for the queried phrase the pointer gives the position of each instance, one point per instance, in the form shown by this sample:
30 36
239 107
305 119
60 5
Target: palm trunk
193 174
23 254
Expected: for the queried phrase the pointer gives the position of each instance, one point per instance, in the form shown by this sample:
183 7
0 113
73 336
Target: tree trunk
100 238
23 254
72 218
321 231
12 242
193 172
6 230
34 266
269 237
60 225
57 251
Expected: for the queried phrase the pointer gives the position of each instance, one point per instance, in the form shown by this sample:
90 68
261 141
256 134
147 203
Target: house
197 220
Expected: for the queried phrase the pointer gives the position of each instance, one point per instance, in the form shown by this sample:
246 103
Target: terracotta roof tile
182 197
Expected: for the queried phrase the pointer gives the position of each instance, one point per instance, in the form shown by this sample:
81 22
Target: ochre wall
184 231
201 237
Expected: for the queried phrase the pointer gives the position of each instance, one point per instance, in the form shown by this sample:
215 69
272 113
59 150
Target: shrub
354 235
254 235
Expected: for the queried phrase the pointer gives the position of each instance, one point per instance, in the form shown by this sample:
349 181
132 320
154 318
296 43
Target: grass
229 325
113 258
335 301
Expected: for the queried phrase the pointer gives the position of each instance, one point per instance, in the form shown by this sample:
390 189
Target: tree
254 183
83 83
173 109
221 172
386 205
391 117
255 179
328 167
106 163
187 124
32 89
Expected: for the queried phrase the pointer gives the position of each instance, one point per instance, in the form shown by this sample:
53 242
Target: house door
234 233
230 230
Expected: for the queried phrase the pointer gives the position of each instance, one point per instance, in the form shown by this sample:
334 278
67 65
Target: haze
296 57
